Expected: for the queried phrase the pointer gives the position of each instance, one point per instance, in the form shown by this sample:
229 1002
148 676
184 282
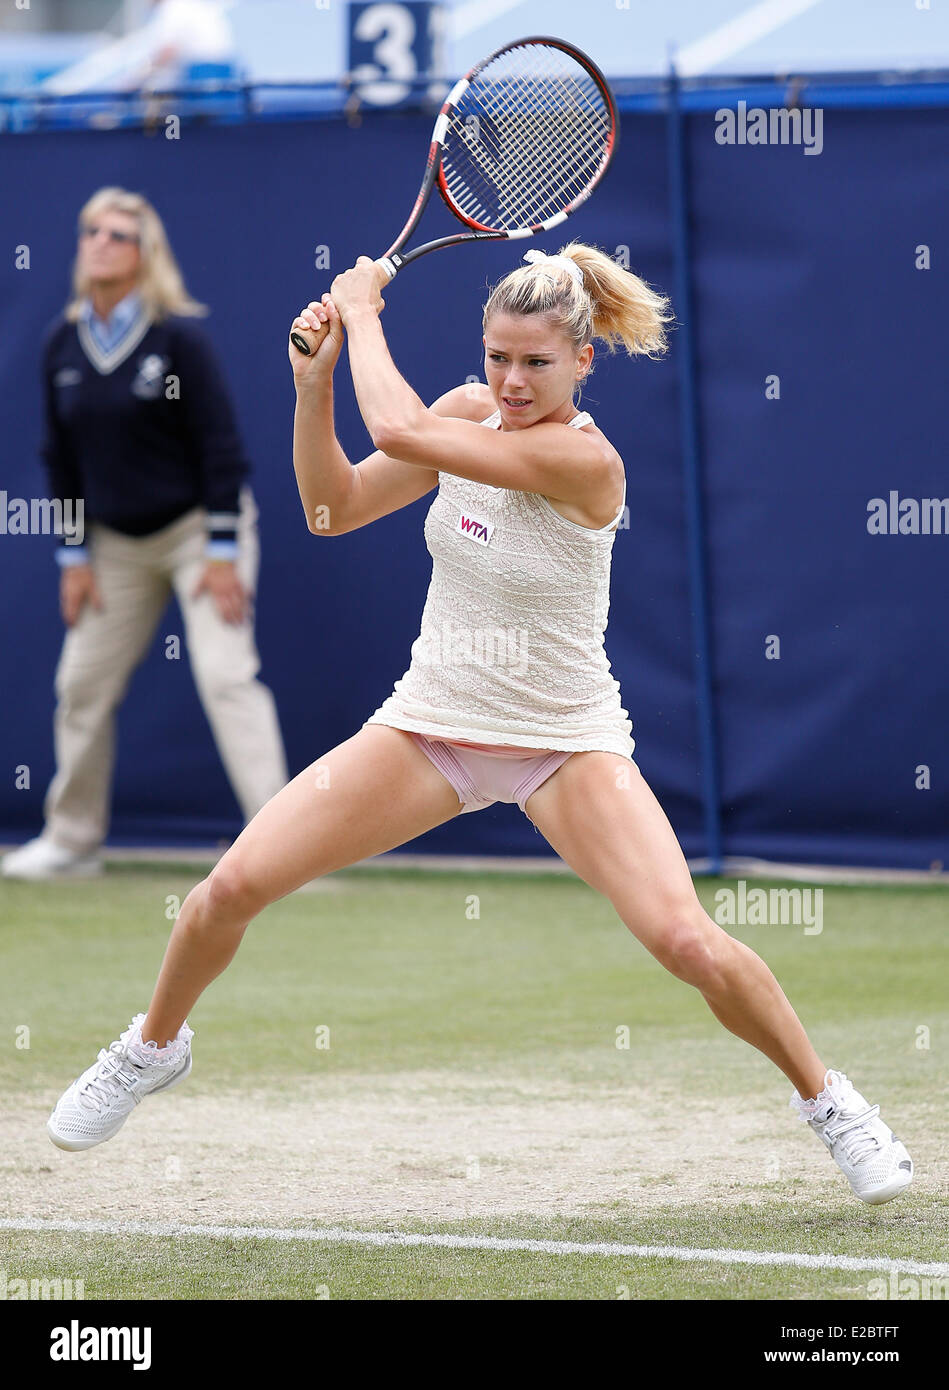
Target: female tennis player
521 532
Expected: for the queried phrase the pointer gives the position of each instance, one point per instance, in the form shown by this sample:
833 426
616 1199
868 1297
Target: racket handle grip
307 340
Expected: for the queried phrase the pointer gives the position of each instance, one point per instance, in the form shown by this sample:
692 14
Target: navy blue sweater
149 440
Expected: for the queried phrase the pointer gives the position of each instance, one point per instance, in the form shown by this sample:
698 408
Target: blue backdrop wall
804 270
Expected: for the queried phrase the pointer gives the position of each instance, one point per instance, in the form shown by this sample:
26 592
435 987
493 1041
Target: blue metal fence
747 510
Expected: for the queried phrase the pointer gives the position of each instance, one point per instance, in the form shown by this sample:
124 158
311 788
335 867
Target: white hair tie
535 255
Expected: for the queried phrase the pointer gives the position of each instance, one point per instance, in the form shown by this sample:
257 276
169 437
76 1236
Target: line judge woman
167 508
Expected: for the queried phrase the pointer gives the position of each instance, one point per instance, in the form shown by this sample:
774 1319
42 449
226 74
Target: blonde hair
160 283
611 304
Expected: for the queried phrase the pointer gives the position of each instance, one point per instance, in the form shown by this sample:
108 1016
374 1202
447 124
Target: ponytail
611 303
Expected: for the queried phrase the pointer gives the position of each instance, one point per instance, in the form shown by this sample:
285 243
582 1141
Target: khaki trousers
136 577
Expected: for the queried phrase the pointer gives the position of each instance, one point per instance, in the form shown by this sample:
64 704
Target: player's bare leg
602 819
366 796
600 816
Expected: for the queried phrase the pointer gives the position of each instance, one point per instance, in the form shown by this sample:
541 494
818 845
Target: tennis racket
520 142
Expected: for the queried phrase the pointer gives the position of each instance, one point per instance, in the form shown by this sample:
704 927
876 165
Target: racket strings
537 171
527 138
524 164
517 195
541 170
541 83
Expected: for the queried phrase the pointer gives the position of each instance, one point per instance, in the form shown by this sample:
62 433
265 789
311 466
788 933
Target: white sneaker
41 858
876 1164
96 1106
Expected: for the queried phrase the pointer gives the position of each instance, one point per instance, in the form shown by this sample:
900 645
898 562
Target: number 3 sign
392 46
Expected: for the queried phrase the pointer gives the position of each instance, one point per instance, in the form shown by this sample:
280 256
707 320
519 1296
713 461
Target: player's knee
689 946
230 893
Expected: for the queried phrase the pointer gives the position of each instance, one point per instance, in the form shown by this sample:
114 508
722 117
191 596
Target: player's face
532 368
109 247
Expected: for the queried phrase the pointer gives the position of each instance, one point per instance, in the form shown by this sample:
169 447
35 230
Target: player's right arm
338 496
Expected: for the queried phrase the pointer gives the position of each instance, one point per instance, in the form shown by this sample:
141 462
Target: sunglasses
123 238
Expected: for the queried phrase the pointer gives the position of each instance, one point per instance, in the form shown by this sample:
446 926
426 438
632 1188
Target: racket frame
394 260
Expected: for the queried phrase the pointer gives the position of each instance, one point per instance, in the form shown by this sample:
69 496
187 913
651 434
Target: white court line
742 31
338 1235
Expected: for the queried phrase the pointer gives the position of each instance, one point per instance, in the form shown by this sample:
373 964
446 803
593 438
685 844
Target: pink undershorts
483 773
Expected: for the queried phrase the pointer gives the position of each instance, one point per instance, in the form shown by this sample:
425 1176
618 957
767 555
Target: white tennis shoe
42 859
874 1161
96 1106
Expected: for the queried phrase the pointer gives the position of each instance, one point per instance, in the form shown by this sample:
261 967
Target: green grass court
400 1051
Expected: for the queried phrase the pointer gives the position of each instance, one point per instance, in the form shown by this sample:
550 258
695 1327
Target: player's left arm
553 460
550 459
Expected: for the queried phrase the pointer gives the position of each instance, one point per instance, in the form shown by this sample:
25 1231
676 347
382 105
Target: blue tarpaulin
819 357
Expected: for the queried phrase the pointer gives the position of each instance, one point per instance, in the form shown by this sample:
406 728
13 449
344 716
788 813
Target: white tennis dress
510 649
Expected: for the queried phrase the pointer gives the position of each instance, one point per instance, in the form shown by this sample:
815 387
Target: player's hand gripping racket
520 142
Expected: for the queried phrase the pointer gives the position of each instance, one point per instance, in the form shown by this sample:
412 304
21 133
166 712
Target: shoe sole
890 1190
77 1145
